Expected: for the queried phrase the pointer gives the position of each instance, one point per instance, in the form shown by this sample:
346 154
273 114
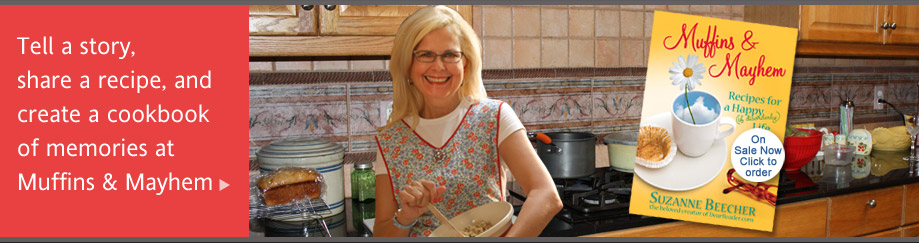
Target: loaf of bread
291 184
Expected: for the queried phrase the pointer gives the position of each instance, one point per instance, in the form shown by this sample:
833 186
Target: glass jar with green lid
363 182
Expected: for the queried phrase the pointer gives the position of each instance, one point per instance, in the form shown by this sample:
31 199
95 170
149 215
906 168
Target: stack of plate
317 153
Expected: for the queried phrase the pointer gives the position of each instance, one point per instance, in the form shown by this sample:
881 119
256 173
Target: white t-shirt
436 131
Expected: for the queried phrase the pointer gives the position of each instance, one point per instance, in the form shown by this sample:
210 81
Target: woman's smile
435 80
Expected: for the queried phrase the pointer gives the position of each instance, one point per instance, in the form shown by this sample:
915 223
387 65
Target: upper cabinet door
906 30
842 23
370 19
282 19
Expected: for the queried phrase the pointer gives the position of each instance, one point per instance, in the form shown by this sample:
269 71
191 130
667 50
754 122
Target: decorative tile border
295 93
367 116
860 95
551 108
597 100
909 78
371 89
617 105
527 87
317 77
632 126
548 129
283 78
902 93
272 121
504 74
297 110
811 80
810 97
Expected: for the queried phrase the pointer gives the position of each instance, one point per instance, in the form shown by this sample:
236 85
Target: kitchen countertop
879 170
346 224
815 180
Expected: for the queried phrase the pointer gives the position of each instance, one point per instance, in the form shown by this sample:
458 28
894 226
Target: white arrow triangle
223 184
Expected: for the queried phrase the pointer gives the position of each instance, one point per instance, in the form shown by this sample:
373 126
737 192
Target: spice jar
363 182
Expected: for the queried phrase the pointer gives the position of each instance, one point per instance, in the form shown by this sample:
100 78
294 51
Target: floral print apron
467 164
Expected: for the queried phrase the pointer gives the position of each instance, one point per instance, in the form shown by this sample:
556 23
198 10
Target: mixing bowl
801 150
498 213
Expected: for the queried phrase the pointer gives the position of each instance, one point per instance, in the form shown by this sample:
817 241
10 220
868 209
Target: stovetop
600 203
603 194
593 204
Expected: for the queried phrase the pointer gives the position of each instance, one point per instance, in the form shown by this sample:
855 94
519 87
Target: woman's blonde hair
407 101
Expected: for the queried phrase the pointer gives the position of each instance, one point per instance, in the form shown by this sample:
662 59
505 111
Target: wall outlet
878 94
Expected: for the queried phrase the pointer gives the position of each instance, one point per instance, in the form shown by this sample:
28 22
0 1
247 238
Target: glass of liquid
911 127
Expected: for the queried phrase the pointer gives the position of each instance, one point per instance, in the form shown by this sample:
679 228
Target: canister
622 148
309 152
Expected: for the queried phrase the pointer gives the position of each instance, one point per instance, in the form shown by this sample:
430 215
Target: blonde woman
446 143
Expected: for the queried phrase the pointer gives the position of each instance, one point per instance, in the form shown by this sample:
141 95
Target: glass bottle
363 182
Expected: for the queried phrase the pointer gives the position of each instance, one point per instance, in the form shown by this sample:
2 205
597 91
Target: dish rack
309 212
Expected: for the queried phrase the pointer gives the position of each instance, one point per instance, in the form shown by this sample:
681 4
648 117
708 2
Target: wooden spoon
444 220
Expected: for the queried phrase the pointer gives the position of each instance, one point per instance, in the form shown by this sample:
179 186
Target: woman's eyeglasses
429 56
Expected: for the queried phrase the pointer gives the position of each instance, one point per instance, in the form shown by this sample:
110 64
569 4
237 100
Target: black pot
566 155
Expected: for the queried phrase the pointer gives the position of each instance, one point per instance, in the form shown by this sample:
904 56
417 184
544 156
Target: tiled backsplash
561 67
543 36
817 92
597 100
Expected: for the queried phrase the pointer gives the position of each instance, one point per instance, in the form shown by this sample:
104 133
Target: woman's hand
415 197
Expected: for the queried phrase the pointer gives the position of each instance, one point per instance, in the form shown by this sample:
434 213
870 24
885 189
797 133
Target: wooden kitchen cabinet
844 215
865 212
860 23
329 30
836 30
911 230
372 19
800 219
906 17
282 20
846 23
911 204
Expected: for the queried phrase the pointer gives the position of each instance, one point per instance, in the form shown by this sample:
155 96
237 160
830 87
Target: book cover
713 121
